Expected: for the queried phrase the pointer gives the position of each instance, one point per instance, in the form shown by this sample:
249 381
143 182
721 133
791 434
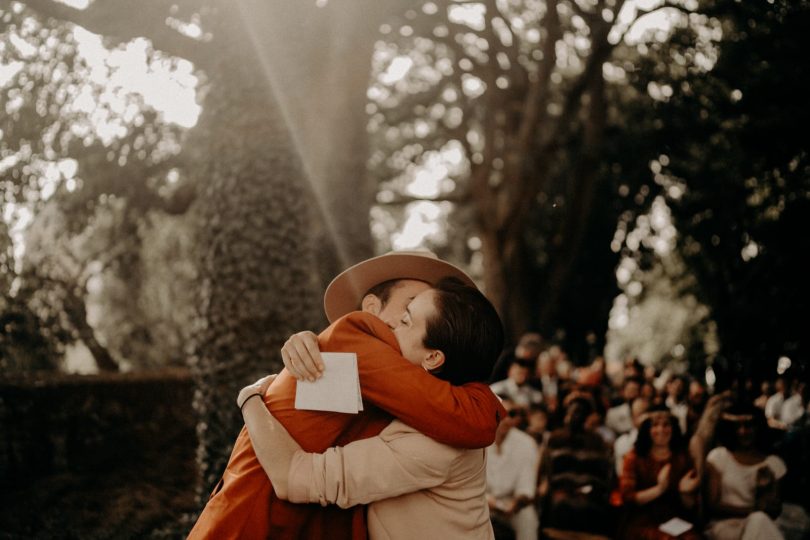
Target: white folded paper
337 390
675 526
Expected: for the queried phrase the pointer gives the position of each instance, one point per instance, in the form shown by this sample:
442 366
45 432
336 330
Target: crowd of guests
644 454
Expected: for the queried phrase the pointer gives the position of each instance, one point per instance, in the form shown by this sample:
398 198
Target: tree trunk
575 225
505 280
76 312
256 260
319 61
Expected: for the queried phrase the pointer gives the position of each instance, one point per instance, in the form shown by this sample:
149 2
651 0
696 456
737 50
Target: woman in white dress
743 480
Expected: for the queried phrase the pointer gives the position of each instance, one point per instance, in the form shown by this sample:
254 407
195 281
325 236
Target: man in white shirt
773 407
512 464
619 417
516 385
793 409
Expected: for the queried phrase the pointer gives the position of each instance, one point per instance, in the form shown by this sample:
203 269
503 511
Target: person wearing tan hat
244 504
367 286
418 488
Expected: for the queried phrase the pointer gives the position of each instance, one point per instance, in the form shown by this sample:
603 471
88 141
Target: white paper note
675 526
337 390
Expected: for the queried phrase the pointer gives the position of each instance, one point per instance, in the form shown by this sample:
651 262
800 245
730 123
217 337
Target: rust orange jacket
243 504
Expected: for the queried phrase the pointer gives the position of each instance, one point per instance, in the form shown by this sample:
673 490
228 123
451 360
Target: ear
434 360
371 304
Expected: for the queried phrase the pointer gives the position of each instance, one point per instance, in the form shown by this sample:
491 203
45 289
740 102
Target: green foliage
88 160
735 172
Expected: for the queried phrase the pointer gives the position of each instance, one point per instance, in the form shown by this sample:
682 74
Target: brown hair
383 290
467 329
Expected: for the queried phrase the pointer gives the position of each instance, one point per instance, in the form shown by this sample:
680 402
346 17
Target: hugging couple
412 464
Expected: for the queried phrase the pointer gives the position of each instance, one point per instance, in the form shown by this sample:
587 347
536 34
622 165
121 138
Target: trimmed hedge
101 456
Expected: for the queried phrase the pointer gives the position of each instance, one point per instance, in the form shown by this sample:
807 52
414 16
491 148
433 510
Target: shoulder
775 400
631 457
523 440
776 465
717 457
620 409
360 320
416 444
357 325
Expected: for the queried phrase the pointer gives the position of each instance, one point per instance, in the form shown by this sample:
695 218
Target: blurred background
181 179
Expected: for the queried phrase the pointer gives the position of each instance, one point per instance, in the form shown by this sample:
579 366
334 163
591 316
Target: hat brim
346 291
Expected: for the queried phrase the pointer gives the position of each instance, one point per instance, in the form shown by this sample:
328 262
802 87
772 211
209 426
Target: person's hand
301 356
501 507
765 478
718 403
510 508
766 495
663 477
258 388
689 482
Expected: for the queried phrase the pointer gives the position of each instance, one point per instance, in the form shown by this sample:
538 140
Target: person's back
431 490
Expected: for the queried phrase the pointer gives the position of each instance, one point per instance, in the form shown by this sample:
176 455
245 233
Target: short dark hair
383 290
467 329
727 428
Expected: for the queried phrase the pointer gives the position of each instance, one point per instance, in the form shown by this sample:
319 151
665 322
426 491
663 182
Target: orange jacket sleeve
460 416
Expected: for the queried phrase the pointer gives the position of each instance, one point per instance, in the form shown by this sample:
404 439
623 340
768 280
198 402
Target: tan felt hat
346 291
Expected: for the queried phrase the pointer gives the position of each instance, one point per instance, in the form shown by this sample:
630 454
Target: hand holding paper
338 390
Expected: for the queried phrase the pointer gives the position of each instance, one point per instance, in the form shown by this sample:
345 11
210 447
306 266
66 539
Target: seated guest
537 423
575 473
528 347
596 424
696 400
658 481
743 479
516 385
619 418
512 477
765 392
773 406
546 378
794 407
626 442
